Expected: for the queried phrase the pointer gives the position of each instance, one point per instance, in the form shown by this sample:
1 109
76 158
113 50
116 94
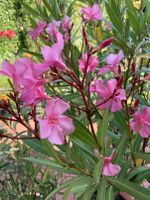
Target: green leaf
81 185
137 143
37 146
66 194
89 192
102 129
144 156
120 120
120 150
82 133
32 11
135 172
97 170
50 8
134 23
125 166
133 189
113 17
143 175
75 55
101 192
47 163
86 148
131 7
52 164
110 193
63 186
38 55
50 149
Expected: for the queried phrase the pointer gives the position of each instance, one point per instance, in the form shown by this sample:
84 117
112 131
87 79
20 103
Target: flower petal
45 129
67 124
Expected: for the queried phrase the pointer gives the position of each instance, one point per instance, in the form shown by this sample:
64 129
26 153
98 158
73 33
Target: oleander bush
83 97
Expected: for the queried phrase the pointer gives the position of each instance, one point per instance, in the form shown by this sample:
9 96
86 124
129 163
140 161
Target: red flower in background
1 33
9 33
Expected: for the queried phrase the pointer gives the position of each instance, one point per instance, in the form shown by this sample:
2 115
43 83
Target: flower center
53 120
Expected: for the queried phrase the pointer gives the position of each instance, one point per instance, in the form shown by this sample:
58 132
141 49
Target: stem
16 138
86 68
6 118
127 72
19 120
88 113
128 119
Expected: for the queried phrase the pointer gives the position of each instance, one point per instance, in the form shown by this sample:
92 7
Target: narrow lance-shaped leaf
103 126
97 170
134 23
64 185
101 192
50 149
144 156
120 150
138 192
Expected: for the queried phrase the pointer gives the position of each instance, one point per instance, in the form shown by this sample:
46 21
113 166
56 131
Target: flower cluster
29 80
52 29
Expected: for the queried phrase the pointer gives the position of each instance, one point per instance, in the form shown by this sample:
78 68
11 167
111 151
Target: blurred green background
13 16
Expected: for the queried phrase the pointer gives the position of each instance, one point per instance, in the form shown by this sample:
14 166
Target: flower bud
106 43
136 103
133 69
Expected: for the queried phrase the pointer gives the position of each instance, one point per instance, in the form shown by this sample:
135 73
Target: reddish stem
16 138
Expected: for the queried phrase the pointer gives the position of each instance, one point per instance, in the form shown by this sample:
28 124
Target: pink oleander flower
66 24
56 125
27 80
34 33
92 13
113 60
52 55
53 28
10 71
110 169
92 63
32 95
141 122
110 95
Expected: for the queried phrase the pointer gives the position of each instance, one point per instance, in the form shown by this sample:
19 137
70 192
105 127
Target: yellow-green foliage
7 21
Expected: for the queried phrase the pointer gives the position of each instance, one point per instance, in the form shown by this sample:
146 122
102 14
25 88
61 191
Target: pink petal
114 59
111 86
121 94
45 130
67 124
104 105
147 78
103 70
52 55
145 116
46 52
57 135
116 105
56 106
96 12
135 126
39 68
7 69
145 131
111 169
